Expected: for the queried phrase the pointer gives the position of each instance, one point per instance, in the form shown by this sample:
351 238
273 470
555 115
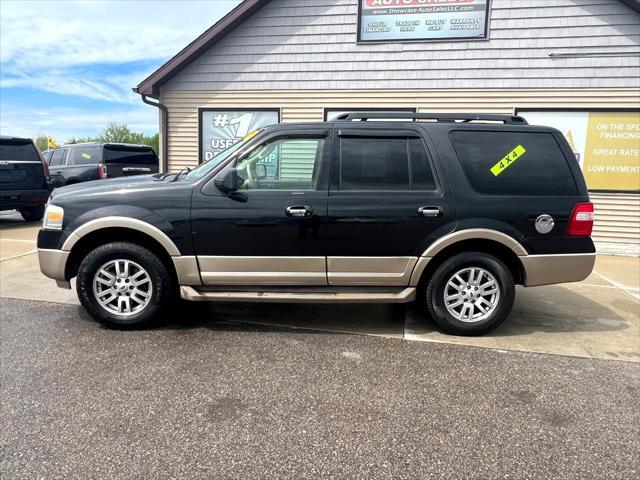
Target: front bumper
563 268
53 263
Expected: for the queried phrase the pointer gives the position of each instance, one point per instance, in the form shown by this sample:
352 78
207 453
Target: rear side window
384 164
89 155
57 158
514 163
130 155
18 150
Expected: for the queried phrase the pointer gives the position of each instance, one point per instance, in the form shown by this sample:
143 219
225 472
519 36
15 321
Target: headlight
53 216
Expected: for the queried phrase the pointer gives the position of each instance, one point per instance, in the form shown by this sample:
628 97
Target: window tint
129 155
89 155
374 164
284 164
514 163
46 156
57 158
20 150
383 164
421 173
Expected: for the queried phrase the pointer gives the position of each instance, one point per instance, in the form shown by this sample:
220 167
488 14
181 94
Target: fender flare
459 236
121 222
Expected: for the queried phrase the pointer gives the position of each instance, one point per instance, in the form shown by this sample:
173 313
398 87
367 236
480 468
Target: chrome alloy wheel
122 287
472 294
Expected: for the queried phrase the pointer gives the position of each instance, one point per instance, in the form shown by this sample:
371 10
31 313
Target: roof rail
434 117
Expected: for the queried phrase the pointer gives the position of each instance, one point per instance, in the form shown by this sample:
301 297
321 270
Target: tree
153 141
120 133
41 142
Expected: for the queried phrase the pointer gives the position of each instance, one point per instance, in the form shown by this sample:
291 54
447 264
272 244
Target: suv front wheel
123 285
470 293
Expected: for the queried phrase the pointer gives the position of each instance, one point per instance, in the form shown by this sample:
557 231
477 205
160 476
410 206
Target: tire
32 214
147 299
478 316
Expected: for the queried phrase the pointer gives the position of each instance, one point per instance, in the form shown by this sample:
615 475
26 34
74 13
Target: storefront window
223 128
606 144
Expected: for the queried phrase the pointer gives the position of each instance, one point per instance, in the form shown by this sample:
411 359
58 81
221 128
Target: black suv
83 162
23 178
452 210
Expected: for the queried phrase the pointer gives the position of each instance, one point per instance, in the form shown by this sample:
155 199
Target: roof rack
434 117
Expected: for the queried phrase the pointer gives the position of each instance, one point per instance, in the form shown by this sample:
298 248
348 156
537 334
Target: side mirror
229 181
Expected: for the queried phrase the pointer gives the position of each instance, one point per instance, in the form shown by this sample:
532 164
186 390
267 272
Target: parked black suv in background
453 210
23 178
83 162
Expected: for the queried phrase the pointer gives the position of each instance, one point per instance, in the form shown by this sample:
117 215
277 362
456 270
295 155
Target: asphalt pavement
210 398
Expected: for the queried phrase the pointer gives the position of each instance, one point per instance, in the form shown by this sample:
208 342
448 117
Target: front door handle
299 211
430 212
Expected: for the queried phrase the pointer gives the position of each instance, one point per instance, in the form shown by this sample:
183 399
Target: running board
302 295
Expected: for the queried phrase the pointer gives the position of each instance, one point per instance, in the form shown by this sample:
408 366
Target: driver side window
283 164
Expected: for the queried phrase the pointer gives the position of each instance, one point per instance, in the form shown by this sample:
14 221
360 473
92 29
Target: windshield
204 168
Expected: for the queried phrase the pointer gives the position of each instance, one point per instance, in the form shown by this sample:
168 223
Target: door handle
299 211
430 212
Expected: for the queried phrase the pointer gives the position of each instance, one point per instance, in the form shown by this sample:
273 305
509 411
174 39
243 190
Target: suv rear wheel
470 293
123 285
32 214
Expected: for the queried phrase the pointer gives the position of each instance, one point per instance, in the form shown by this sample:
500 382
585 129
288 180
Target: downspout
164 122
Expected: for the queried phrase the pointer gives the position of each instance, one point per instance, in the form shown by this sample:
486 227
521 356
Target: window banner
220 129
606 144
411 20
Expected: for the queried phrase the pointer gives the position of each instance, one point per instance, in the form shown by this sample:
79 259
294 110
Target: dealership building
570 64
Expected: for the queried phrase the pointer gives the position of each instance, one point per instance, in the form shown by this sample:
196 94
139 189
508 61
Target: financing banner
220 129
408 20
606 144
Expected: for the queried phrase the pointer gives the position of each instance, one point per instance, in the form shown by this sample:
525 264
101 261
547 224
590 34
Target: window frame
508 130
406 135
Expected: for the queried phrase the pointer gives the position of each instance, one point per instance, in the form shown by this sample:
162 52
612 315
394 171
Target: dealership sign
411 20
606 144
220 129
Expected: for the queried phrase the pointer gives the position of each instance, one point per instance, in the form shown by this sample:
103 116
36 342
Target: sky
68 67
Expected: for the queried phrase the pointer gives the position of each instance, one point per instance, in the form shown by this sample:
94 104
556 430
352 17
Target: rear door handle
299 211
430 212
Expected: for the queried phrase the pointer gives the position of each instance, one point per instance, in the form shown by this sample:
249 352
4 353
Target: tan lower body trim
550 269
382 271
53 263
263 270
187 270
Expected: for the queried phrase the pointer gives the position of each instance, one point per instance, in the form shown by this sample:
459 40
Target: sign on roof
422 20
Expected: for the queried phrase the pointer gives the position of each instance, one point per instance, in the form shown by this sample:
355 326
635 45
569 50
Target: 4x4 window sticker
508 160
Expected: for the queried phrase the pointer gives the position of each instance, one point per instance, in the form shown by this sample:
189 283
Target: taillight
102 171
581 221
45 167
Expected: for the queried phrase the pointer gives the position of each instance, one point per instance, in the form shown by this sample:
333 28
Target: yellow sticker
86 155
509 159
250 135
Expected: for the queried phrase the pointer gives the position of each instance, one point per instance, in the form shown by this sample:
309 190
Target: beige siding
301 106
617 222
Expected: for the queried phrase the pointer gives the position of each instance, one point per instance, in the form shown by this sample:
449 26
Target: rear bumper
10 199
550 269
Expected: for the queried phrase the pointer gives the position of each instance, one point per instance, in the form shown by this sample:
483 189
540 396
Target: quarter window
90 155
284 165
514 163
384 164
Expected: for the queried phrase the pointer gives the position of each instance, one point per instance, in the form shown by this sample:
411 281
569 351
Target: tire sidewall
437 285
104 254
